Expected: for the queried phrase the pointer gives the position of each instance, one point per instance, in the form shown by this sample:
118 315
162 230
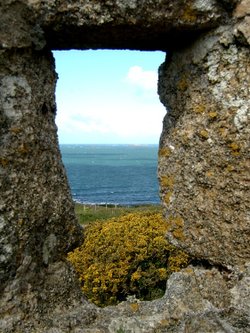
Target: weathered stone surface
204 153
38 225
196 300
203 163
123 24
242 29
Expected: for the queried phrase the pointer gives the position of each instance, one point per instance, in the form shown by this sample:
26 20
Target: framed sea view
112 174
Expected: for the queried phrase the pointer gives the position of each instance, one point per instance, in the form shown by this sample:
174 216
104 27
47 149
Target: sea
123 175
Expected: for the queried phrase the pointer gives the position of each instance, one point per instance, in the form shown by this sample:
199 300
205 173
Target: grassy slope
90 213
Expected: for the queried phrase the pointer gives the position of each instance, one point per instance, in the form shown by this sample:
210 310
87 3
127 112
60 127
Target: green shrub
124 256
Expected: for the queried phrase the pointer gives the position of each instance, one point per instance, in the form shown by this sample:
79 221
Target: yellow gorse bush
124 256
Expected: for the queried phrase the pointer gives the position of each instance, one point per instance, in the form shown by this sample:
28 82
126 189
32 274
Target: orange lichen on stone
3 162
212 115
203 134
235 149
167 198
209 174
177 224
20 222
185 139
189 270
182 84
178 221
164 322
23 149
199 108
189 15
134 307
167 182
223 131
229 168
165 152
15 130
178 234
234 146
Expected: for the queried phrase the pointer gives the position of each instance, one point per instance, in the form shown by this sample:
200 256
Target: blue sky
108 97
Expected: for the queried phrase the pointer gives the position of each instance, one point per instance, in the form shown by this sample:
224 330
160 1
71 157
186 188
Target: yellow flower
136 276
125 256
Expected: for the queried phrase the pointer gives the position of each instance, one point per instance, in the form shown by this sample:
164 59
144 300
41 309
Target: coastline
87 213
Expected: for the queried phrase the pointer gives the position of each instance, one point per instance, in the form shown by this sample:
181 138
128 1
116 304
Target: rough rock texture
110 23
203 163
204 153
37 220
196 300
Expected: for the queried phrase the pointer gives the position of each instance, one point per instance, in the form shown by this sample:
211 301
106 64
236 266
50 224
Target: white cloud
145 79
118 114
127 120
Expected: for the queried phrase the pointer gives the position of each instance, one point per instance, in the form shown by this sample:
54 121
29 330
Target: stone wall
204 153
203 163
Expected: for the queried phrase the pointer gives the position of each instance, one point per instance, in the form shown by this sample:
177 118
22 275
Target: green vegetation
126 255
91 213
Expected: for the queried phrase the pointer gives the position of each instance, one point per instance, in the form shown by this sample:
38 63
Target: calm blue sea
112 174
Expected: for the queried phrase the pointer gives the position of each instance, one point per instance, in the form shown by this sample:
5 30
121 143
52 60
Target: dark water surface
112 174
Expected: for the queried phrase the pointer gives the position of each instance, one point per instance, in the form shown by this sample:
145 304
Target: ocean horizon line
121 174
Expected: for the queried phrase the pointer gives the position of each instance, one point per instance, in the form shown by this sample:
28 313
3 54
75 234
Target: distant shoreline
87 213
111 205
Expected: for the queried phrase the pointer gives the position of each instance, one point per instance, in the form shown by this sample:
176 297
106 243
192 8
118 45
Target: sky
108 97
